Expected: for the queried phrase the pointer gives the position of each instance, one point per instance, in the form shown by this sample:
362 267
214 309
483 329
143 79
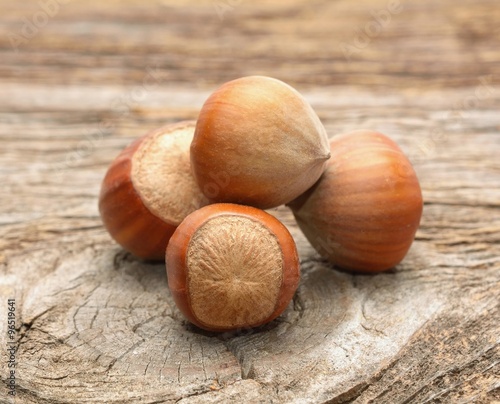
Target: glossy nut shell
363 213
231 267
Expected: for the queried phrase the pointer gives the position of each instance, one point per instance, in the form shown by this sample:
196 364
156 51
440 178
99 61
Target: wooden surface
96 325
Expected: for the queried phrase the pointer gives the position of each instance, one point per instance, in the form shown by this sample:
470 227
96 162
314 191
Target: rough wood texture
96 325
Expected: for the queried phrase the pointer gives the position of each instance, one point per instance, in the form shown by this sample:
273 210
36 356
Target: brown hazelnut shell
125 215
257 142
177 250
363 213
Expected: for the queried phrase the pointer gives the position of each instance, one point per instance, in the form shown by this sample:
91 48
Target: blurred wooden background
80 80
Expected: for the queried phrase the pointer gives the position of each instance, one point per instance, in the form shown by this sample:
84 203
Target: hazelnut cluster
193 193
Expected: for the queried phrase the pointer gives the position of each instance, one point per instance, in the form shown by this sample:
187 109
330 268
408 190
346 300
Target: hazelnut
257 142
363 213
231 266
149 189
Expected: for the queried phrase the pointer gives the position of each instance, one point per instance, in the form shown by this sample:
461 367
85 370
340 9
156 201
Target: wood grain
95 325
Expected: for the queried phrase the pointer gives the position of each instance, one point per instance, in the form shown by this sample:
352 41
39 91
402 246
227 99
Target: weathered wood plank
425 43
96 325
